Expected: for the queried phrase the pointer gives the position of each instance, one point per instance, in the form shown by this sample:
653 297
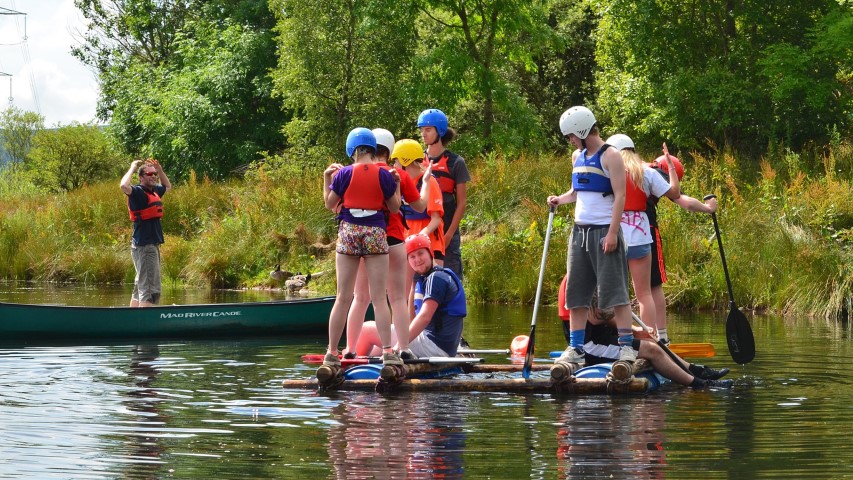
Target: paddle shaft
528 357
722 253
663 346
474 351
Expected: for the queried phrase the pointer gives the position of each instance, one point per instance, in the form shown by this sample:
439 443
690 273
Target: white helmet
620 141
577 120
384 138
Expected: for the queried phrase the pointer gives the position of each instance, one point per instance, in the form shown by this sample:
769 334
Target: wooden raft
512 385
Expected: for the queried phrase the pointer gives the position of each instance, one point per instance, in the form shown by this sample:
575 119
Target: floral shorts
360 240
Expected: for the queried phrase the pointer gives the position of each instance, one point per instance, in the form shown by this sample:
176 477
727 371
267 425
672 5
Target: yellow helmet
407 151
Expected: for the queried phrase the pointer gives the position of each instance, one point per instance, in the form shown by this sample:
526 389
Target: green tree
563 73
341 64
691 72
186 81
68 157
472 63
811 86
18 128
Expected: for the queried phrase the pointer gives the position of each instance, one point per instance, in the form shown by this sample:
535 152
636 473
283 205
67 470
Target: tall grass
786 223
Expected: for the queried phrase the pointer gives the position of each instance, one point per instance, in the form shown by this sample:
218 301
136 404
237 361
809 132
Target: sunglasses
150 174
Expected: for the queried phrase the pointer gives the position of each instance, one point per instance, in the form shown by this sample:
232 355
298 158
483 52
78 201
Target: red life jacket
635 197
154 209
396 227
442 172
364 190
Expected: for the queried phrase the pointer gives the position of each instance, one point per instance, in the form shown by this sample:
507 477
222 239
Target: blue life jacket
588 174
410 213
456 307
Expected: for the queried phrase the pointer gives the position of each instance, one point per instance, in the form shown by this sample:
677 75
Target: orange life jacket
364 190
635 197
154 209
441 171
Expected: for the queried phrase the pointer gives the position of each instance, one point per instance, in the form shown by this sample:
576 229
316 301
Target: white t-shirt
635 225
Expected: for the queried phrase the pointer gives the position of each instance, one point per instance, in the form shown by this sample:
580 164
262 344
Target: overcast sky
42 67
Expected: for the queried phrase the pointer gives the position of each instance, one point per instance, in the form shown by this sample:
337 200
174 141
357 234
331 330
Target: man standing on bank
145 205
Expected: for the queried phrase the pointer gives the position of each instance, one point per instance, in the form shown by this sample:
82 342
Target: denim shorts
639 251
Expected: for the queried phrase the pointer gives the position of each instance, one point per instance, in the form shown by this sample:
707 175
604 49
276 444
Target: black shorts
393 241
658 267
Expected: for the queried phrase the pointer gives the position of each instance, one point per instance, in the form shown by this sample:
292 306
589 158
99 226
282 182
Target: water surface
216 409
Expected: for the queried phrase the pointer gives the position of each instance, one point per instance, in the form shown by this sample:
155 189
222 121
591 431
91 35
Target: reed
786 221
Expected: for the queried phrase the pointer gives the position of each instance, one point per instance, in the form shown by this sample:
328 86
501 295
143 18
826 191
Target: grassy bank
787 228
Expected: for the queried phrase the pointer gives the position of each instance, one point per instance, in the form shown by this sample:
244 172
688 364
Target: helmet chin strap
583 143
437 138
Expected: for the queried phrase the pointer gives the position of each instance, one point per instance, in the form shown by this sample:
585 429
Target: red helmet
660 163
416 242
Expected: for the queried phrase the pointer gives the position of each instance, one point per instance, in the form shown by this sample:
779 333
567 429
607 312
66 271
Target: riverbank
787 227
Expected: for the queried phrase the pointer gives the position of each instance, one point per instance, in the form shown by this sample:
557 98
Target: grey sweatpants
147 283
589 268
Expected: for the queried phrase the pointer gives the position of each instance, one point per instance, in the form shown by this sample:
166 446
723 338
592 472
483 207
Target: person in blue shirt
440 307
145 206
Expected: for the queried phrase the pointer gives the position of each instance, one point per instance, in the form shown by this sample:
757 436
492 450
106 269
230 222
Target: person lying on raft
440 307
602 346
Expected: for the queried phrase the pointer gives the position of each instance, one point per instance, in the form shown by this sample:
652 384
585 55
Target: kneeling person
440 307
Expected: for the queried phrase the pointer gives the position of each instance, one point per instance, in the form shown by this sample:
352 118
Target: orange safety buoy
561 300
519 346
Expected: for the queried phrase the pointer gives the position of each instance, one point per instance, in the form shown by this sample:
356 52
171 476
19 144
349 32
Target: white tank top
592 208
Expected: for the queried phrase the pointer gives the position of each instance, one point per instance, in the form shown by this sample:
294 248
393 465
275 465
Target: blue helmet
433 117
360 137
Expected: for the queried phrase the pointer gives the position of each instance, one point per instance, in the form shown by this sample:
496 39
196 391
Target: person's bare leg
641 277
663 364
397 295
358 308
377 272
346 267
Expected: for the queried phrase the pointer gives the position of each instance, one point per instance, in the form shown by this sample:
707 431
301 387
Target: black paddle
738 332
528 357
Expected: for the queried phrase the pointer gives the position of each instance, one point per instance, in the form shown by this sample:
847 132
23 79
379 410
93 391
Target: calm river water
216 409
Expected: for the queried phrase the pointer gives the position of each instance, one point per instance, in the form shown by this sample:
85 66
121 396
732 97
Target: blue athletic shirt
445 327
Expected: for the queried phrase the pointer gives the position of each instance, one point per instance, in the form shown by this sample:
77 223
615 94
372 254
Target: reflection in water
618 437
216 409
144 452
395 438
740 412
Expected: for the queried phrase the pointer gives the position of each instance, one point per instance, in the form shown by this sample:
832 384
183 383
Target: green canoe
59 322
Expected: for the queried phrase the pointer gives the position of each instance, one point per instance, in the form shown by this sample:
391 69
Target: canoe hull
56 322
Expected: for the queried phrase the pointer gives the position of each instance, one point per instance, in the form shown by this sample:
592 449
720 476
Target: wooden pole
514 385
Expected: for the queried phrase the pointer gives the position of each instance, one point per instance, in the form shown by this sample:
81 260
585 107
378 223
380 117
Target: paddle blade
693 350
528 358
739 337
